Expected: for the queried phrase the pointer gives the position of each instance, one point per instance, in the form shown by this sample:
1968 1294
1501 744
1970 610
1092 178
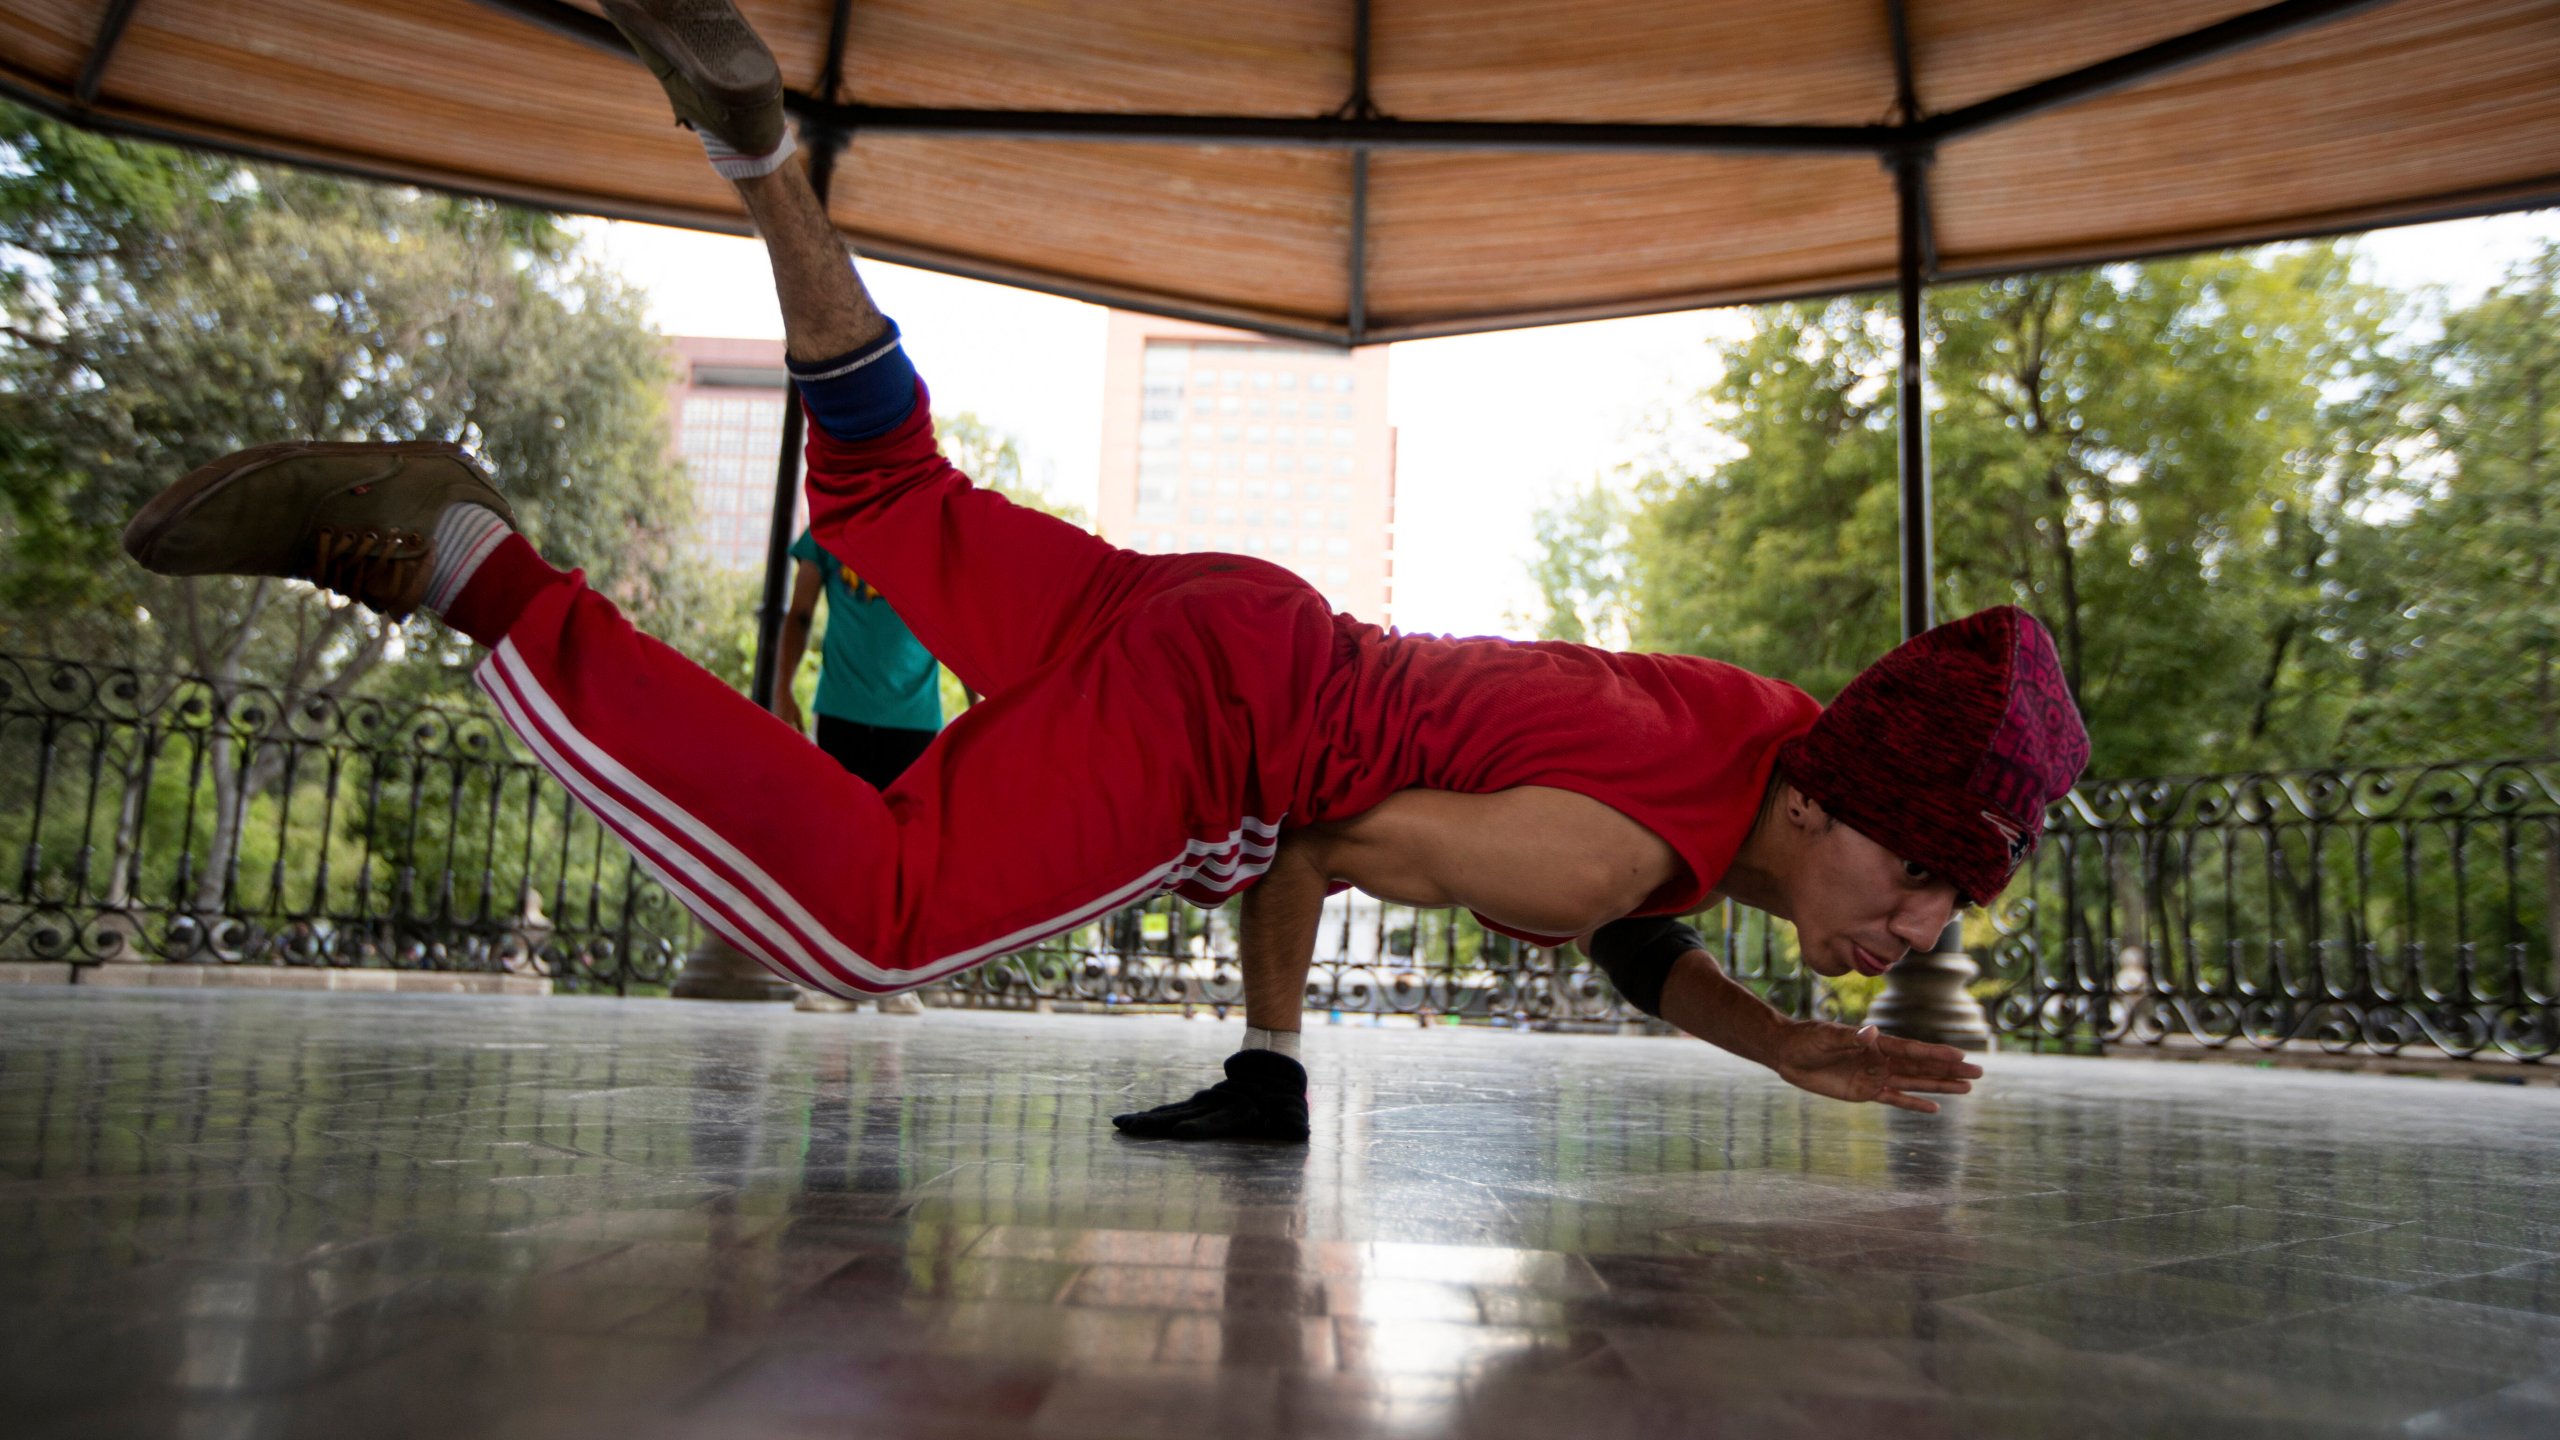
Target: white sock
464 537
734 165
1284 1041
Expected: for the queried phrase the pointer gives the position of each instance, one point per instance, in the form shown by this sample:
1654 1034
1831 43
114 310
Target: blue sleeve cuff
862 394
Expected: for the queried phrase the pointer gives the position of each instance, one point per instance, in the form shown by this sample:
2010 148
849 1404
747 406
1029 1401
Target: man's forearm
1276 943
1706 1002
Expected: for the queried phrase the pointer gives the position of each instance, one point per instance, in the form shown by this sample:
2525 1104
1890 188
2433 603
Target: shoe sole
743 77
166 509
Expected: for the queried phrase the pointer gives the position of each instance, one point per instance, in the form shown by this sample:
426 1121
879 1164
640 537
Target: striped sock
464 537
734 165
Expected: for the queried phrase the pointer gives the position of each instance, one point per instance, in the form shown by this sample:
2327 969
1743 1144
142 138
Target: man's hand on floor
1264 1097
1867 1064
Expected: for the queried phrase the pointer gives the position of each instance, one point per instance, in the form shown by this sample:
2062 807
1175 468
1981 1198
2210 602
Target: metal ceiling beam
1343 129
1337 132
2134 67
101 50
1355 310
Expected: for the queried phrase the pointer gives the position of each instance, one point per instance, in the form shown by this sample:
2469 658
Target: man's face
1858 907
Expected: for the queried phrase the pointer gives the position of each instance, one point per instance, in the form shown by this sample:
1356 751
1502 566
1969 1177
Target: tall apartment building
726 408
1215 439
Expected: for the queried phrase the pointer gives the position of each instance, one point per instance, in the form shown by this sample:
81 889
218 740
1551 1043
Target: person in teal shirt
879 698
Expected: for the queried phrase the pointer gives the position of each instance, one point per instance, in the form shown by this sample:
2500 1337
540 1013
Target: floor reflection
249 1214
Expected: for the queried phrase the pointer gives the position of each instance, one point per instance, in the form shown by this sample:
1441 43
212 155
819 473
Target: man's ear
1803 812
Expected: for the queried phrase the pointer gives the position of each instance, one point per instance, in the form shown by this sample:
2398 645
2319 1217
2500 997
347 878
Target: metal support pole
1919 573
1924 996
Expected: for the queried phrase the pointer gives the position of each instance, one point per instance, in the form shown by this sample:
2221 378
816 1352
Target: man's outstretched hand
1867 1064
1264 1097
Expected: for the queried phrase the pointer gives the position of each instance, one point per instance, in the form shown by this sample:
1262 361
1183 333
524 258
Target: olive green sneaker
717 73
359 519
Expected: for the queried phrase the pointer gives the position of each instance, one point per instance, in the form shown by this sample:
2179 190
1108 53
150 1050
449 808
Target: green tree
2166 463
1581 567
993 458
2463 633
163 307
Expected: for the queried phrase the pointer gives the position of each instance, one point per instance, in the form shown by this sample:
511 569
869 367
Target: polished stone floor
243 1215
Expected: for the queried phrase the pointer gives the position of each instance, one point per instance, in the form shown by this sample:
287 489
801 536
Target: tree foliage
2264 526
166 307
159 308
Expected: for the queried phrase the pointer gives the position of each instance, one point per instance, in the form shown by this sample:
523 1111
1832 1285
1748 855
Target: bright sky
1489 427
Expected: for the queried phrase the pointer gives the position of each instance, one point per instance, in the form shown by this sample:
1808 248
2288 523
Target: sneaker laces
382 570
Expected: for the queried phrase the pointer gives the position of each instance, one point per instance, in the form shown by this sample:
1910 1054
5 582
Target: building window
1256 463
1340 519
1342 493
1280 488
1337 546
1342 465
1288 464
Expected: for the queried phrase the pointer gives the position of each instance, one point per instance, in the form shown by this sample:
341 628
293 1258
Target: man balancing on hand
1200 724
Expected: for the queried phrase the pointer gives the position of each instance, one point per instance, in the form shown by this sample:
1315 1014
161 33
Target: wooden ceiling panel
48 41
1965 51
1214 232
1230 57
2411 107
2398 110
1809 62
1457 240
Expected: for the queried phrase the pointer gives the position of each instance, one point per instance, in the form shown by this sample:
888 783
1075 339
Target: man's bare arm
1692 991
1276 944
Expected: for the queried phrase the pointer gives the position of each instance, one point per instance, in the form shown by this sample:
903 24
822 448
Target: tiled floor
241 1215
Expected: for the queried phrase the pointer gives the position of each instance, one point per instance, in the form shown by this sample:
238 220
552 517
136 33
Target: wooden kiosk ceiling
1368 170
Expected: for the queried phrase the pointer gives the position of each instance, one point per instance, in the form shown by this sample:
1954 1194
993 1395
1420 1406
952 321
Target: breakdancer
1202 724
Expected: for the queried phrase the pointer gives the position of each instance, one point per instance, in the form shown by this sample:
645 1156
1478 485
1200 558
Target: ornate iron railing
157 817
2379 908
179 819
1372 958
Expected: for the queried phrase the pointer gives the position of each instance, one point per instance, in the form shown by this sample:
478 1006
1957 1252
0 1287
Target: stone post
715 970
1924 997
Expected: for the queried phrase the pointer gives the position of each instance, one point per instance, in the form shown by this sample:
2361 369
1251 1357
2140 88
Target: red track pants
1143 731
